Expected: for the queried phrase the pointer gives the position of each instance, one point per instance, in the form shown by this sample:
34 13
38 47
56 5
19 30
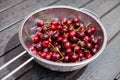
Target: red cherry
72 33
69 52
45 43
92 28
63 20
89 45
74 58
77 49
81 54
59 39
48 55
35 52
66 59
42 54
54 23
53 27
67 45
38 34
88 55
76 20
31 47
86 39
40 23
96 46
35 39
55 56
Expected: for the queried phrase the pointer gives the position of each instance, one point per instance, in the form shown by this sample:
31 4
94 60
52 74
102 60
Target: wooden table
105 67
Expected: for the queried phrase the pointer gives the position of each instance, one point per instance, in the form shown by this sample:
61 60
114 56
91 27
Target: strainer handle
89 11
18 68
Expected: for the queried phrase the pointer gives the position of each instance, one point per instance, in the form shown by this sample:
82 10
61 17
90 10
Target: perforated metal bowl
60 12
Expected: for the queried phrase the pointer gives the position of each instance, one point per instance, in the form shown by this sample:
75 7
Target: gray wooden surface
105 67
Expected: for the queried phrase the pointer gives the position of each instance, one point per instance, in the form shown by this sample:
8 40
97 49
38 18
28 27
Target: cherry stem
89 23
27 33
77 44
57 50
78 60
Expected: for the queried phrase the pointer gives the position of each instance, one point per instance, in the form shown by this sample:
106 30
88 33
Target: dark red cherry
45 43
42 54
31 47
76 20
74 58
72 33
69 52
40 23
48 55
67 45
88 55
35 39
66 59
55 56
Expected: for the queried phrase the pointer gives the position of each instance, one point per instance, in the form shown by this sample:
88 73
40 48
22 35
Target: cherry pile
64 40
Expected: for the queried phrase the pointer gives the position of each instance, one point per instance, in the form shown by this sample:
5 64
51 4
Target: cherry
89 45
77 49
45 43
74 58
64 40
45 36
96 46
31 47
35 52
38 34
45 49
39 46
81 54
74 39
86 39
72 33
92 29
40 23
53 27
88 55
48 55
59 39
42 54
35 39
80 34
76 20
66 59
54 23
55 56
76 25
67 45
94 50
69 52
64 21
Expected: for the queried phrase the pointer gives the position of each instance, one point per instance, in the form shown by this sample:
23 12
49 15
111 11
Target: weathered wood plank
6 4
74 3
20 11
102 6
106 66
